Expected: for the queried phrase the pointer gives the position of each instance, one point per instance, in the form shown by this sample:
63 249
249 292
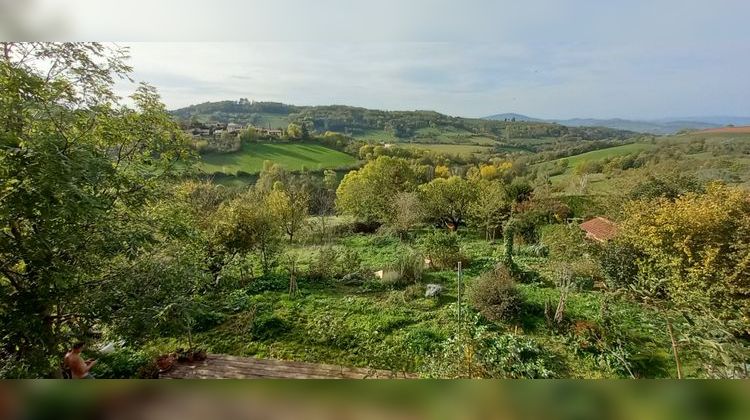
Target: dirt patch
743 129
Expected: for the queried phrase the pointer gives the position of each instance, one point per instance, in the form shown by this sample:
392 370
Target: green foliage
618 261
480 352
494 295
442 248
124 363
367 193
409 266
78 172
666 186
334 263
447 201
565 242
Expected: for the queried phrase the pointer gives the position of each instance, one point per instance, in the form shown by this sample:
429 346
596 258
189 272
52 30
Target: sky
544 58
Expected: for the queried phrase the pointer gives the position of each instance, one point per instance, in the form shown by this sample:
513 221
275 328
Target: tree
407 212
490 208
367 193
247 224
696 250
290 206
77 171
447 201
694 261
294 131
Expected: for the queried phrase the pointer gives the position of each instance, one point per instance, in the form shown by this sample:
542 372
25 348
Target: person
79 369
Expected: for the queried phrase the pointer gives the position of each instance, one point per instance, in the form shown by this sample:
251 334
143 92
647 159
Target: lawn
292 156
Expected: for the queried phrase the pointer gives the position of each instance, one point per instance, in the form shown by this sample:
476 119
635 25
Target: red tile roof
599 229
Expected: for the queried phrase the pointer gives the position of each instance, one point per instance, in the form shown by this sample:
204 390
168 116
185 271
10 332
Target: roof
599 229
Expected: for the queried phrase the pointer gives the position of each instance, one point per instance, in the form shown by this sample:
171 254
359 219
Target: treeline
399 124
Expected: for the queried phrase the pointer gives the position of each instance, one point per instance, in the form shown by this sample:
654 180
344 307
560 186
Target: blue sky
552 59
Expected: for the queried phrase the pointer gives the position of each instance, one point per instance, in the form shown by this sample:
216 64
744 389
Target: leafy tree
407 212
367 193
668 186
290 206
695 262
447 201
76 172
490 208
696 250
247 224
294 131
518 191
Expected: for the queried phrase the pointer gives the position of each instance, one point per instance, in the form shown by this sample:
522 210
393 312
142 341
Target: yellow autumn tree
696 251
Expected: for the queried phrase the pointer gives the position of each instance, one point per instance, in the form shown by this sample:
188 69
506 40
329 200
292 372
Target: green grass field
292 156
448 149
609 152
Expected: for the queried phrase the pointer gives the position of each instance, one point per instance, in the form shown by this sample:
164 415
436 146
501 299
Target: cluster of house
217 129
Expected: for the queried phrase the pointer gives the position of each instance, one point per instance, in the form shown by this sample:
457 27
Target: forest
117 231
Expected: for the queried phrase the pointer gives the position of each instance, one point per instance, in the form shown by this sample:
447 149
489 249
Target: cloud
640 59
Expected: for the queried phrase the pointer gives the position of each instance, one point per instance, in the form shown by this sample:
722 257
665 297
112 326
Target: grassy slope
448 149
574 161
292 156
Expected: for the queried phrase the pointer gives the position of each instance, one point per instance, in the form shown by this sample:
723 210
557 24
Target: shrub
335 264
494 294
124 363
483 353
618 263
267 326
565 242
409 265
442 248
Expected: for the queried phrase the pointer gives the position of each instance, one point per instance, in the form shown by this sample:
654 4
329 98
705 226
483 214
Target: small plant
494 294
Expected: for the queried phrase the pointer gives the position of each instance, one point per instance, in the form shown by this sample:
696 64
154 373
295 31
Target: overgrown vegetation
110 237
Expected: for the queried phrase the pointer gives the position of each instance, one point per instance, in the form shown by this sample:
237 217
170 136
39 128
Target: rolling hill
387 126
657 126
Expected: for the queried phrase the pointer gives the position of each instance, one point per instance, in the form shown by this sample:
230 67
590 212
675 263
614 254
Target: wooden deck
219 366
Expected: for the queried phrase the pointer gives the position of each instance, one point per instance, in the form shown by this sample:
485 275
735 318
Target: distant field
739 130
292 156
428 136
625 149
273 120
448 149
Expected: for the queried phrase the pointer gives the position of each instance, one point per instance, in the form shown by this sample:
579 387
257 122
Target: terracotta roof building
599 229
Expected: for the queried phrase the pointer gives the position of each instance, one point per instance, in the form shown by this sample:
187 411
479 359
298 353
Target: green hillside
292 156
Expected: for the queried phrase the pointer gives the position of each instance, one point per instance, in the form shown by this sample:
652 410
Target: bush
483 353
494 294
618 264
565 242
409 265
334 264
268 326
124 363
442 248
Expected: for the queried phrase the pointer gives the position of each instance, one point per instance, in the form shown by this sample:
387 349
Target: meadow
464 150
291 156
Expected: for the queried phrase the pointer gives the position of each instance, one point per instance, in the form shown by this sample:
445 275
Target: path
220 366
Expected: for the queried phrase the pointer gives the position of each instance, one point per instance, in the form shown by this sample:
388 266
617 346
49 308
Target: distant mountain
657 126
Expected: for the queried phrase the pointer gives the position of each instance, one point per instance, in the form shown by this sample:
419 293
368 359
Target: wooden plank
234 367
